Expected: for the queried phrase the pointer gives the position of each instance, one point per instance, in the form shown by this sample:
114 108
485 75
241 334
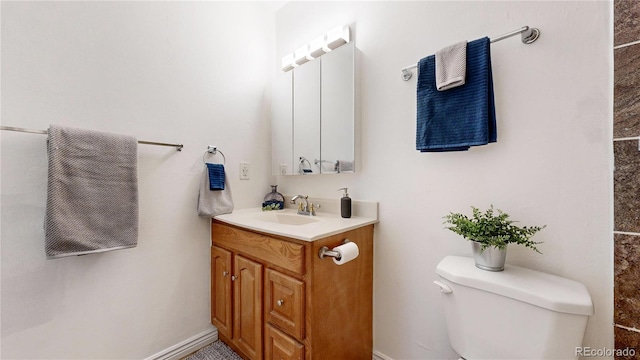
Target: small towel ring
213 150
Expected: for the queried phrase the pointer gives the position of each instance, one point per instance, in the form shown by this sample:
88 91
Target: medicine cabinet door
337 109
282 126
306 118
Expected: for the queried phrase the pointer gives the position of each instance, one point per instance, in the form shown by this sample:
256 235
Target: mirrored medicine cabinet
313 116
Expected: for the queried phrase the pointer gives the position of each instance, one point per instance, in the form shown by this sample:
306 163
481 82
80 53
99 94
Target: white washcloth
214 202
92 194
451 66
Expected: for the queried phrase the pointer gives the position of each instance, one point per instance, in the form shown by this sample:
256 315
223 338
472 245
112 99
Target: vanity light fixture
321 45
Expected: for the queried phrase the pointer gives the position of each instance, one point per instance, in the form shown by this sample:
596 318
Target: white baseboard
186 347
377 355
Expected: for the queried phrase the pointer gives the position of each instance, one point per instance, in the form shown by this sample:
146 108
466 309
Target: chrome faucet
303 207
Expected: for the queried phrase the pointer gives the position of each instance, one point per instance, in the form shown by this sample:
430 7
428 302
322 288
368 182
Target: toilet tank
517 313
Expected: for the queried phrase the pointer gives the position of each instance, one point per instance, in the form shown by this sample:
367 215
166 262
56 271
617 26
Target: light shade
316 47
302 55
287 62
337 37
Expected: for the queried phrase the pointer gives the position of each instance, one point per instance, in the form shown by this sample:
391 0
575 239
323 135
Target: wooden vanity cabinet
272 297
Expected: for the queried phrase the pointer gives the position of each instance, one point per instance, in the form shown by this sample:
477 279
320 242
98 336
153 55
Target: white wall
552 163
198 73
189 72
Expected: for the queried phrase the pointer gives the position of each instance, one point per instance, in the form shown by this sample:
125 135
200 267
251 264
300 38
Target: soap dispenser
345 204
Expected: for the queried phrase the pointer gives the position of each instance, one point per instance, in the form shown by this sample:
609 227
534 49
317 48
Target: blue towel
216 176
461 117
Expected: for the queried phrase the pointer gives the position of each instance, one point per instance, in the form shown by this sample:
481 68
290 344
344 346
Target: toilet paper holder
325 252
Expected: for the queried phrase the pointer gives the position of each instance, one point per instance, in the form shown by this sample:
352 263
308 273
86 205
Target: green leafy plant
492 228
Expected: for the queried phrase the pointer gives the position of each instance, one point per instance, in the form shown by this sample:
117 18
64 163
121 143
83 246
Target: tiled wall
626 133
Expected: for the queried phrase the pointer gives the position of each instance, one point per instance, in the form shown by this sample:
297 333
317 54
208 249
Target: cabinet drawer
284 303
285 254
279 346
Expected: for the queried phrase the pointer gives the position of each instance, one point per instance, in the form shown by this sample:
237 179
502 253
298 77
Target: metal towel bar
529 35
45 132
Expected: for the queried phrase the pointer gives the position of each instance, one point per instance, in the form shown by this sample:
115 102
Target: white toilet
517 313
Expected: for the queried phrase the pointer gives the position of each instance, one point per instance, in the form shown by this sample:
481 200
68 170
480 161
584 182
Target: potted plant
490 232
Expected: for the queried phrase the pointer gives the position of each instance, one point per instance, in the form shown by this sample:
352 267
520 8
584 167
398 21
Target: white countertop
320 226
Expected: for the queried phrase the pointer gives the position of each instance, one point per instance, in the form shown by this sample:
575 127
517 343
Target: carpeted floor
216 351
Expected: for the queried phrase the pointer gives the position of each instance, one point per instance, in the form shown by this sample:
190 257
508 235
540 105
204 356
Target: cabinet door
282 125
247 294
337 108
221 290
306 117
284 303
279 346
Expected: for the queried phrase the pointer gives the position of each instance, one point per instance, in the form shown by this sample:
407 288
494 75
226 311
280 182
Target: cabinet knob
280 302
233 278
225 273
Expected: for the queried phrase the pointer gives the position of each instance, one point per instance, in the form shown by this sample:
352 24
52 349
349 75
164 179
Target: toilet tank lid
534 287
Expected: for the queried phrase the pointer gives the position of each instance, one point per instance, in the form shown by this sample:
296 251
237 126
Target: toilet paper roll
348 252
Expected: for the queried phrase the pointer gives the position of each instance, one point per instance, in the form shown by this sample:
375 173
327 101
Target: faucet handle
313 207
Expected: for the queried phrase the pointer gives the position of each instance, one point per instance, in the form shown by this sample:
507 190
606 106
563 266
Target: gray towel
451 66
92 196
214 202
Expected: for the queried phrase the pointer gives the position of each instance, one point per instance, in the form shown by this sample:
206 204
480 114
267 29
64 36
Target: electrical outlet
283 169
244 171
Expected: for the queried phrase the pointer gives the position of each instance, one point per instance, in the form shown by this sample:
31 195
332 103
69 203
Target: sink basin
286 219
